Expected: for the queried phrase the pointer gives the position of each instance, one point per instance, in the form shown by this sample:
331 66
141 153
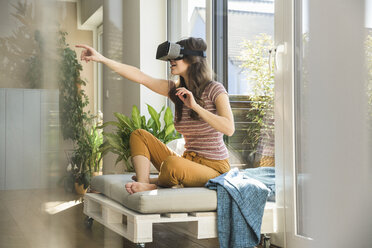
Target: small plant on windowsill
117 142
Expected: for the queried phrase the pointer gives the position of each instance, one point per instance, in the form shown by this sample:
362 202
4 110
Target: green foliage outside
255 57
117 142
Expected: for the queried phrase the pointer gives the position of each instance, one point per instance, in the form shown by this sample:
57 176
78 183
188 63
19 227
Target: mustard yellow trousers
190 170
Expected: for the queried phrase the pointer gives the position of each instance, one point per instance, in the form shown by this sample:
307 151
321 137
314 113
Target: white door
321 114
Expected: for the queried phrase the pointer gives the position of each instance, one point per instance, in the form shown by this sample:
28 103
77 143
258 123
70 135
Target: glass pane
251 80
196 18
300 87
187 18
41 78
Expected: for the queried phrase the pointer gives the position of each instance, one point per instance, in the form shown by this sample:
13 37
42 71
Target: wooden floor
55 219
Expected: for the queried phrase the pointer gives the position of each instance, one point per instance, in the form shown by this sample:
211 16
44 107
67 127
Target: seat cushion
162 200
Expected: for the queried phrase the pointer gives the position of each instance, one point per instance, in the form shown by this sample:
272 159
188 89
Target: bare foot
152 180
177 186
139 187
128 187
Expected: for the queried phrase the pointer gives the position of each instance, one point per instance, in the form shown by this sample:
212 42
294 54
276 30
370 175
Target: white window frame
98 86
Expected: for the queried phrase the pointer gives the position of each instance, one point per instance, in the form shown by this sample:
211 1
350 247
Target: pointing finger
83 46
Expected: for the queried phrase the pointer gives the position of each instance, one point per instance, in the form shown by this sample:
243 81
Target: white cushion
162 200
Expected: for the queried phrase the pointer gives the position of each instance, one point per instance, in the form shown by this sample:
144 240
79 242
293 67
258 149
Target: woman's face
179 67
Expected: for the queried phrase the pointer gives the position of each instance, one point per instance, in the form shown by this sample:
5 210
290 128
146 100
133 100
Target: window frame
220 40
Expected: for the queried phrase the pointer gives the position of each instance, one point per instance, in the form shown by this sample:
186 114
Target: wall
150 37
29 139
88 8
131 32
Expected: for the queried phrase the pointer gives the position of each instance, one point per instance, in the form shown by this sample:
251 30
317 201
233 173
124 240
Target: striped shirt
199 136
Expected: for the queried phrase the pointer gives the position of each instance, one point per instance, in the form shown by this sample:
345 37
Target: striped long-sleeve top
199 136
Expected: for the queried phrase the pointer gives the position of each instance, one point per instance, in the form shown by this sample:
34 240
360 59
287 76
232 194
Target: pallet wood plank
175 215
138 227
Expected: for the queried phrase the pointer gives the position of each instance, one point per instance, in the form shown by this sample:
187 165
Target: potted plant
118 141
86 158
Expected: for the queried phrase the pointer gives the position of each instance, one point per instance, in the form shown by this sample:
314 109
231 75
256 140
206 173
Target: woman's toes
128 187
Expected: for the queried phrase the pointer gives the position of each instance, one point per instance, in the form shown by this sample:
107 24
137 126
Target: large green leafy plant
117 142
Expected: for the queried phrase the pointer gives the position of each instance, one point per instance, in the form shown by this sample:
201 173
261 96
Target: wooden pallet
137 227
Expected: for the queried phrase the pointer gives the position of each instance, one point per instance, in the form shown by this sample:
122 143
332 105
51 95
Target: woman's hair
198 72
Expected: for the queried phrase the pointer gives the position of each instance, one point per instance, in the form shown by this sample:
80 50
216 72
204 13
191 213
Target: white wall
131 32
150 37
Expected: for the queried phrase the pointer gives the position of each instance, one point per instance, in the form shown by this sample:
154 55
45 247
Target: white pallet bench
137 227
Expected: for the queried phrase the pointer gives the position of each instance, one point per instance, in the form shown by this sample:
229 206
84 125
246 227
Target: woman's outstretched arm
127 71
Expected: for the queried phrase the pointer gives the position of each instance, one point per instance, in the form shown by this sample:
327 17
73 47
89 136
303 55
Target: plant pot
78 86
96 173
79 188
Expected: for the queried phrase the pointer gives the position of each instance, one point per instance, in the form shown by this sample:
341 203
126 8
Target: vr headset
171 51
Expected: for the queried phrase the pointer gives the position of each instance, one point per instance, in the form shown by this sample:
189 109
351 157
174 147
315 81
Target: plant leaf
113 123
143 123
125 121
119 158
168 117
155 116
169 130
136 119
114 141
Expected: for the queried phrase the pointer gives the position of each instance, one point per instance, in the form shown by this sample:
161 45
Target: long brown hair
199 74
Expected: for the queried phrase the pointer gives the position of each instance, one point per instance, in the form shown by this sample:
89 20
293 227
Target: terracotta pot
96 173
79 188
78 86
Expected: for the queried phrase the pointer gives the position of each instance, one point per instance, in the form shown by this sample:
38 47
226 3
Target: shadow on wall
30 43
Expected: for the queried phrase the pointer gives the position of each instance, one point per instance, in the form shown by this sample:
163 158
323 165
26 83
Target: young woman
203 115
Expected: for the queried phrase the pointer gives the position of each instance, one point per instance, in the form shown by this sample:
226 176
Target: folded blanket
241 199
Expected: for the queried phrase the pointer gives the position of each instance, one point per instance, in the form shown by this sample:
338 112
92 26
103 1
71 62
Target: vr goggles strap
193 53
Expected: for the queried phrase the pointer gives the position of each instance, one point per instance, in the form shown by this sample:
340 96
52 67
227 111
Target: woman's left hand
186 97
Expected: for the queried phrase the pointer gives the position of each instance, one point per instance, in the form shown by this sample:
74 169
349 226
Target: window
191 22
243 33
194 22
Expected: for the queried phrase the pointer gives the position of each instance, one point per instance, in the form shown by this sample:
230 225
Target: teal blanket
241 199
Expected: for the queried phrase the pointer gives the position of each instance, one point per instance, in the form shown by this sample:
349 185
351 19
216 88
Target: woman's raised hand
186 97
90 54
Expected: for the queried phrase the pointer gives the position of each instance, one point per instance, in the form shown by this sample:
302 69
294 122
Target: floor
54 218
